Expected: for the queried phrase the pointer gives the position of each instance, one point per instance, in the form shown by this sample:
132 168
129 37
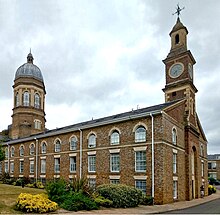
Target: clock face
176 70
190 69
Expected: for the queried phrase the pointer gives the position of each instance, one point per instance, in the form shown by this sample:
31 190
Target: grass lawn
9 194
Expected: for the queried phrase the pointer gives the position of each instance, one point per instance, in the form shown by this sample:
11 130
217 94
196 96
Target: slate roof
214 157
156 109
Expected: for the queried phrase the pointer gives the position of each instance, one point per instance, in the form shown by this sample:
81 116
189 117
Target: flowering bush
211 189
35 203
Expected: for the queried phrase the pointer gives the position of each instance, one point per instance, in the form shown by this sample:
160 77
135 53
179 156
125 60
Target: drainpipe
8 158
36 140
152 154
80 154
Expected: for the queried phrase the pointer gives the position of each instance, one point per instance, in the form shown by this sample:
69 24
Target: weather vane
178 10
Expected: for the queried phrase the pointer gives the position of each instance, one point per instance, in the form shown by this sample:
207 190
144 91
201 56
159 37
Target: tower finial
30 57
30 50
178 10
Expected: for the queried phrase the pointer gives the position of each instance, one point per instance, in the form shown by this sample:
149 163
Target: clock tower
179 70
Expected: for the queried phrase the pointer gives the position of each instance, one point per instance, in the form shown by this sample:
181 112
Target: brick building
214 166
161 149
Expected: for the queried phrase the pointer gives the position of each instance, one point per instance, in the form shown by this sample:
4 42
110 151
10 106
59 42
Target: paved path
151 209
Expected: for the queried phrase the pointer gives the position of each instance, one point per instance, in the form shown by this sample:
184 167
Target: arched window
43 148
92 141
26 99
177 39
6 152
17 100
21 151
12 151
32 148
73 143
140 134
115 138
174 136
57 146
37 101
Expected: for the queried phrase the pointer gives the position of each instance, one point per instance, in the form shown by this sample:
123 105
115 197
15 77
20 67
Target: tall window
115 162
174 136
17 100
174 163
6 152
57 146
44 148
12 151
31 166
140 161
37 124
92 183
6 166
141 185
21 151
92 141
32 148
73 143
21 167
202 168
43 166
72 164
36 100
174 189
140 134
91 163
12 167
57 165
115 138
26 99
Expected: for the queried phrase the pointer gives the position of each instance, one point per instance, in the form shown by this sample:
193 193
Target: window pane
92 141
115 162
175 189
57 165
141 185
115 137
26 99
44 148
72 164
57 146
92 163
140 134
43 166
140 164
174 162
73 143
174 137
37 101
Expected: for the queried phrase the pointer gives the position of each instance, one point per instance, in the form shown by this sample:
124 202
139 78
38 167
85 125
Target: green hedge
121 195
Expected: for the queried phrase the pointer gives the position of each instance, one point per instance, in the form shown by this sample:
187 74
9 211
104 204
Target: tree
2 153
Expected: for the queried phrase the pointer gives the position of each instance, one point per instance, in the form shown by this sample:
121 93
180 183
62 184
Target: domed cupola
28 116
29 69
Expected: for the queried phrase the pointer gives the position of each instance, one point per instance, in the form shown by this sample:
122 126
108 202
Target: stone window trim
174 135
12 151
115 138
140 161
43 146
91 176
21 150
114 129
73 146
140 136
57 145
91 137
32 148
91 153
116 177
73 155
141 148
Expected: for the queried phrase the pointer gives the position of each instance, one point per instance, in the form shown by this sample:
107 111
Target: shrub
35 203
101 201
121 195
78 201
147 200
80 185
18 182
211 189
4 177
57 190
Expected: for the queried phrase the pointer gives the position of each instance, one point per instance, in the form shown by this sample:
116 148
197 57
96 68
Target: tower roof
179 25
29 70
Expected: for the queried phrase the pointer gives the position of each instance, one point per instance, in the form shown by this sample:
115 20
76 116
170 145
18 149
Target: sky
104 57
